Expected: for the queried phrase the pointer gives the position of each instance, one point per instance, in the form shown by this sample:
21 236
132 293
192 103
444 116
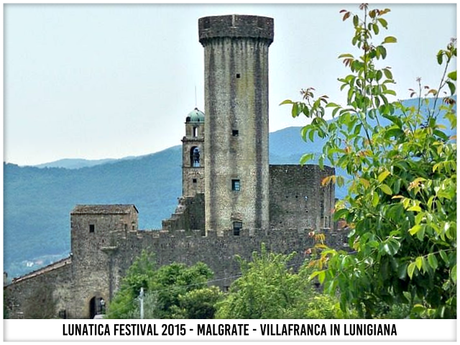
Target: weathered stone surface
276 205
235 26
236 127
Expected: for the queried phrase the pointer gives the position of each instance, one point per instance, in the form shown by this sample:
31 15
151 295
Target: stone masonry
232 200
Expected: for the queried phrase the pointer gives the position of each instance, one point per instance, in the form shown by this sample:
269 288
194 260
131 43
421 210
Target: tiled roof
103 209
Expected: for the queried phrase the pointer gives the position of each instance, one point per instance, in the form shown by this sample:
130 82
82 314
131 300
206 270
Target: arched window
195 157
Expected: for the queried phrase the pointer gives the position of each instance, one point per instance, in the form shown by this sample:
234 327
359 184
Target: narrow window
237 226
235 132
236 185
195 157
91 228
195 132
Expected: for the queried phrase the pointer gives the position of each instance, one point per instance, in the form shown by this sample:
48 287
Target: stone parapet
236 26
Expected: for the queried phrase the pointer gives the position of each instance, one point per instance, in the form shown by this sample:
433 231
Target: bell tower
236 129
193 154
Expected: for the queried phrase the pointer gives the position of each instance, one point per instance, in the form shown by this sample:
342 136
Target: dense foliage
401 204
270 289
171 291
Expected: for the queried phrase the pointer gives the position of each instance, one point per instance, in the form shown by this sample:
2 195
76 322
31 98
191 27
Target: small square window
91 228
194 180
236 185
235 132
237 226
238 75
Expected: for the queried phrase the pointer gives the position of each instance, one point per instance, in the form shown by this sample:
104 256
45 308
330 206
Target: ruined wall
297 198
189 215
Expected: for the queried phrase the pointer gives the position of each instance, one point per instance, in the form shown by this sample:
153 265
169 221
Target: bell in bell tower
193 155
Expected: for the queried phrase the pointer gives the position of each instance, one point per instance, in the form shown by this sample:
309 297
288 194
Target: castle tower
193 154
236 128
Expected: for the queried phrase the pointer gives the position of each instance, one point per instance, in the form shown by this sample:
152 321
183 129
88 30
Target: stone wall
236 128
42 293
74 285
218 252
189 215
297 198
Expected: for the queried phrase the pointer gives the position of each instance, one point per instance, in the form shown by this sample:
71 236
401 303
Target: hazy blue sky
109 81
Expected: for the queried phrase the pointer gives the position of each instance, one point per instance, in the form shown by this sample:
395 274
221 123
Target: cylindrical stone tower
236 127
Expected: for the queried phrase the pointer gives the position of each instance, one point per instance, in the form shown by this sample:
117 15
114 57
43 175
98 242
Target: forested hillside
37 202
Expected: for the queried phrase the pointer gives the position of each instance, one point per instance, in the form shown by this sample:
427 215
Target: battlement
244 234
236 26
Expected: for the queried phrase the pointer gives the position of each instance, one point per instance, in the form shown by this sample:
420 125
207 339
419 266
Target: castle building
232 199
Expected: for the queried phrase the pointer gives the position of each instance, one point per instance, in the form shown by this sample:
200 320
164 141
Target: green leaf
393 132
287 101
295 109
402 268
418 309
364 182
415 229
444 256
383 175
341 56
391 247
415 208
383 22
453 274
321 276
375 199
382 50
355 20
339 214
306 157
388 73
375 27
387 190
432 261
418 262
453 75
411 269
390 39
452 87
439 57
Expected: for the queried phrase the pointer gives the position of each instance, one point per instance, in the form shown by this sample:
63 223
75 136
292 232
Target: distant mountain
77 163
38 200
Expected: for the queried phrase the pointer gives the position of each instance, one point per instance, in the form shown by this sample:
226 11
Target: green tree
169 291
176 280
401 203
198 304
125 304
269 289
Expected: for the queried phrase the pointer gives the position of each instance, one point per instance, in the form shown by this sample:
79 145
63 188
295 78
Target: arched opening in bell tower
195 157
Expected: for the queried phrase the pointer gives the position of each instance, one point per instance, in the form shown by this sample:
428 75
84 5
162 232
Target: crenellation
232 200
